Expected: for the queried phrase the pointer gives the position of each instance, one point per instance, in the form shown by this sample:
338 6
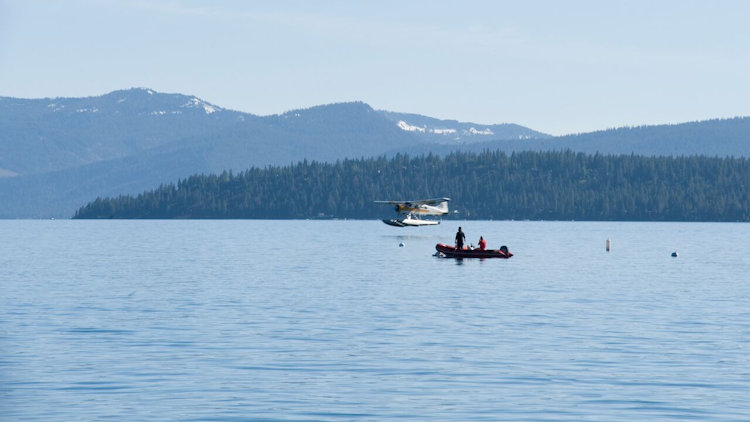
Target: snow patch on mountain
424 129
486 131
163 112
197 103
409 128
442 130
6 172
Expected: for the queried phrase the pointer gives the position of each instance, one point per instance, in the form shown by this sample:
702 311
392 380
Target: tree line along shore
558 185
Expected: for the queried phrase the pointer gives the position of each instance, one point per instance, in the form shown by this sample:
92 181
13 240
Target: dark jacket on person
460 238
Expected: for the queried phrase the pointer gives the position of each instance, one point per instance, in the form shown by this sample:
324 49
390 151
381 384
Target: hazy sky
554 66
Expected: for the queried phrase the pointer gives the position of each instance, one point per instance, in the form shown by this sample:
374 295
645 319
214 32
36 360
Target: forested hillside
55 154
489 185
58 153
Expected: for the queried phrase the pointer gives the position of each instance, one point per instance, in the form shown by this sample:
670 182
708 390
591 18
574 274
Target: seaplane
410 212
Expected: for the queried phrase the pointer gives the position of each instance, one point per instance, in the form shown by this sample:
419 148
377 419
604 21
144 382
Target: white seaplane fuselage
410 212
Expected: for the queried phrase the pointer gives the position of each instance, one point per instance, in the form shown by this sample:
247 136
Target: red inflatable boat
452 252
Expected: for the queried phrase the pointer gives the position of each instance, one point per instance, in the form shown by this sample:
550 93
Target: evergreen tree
488 185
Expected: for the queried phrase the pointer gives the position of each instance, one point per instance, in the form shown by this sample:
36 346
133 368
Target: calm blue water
332 320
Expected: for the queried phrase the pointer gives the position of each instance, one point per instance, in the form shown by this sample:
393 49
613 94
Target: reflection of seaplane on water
410 212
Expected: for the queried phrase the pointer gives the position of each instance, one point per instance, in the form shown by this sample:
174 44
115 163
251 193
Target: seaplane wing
433 202
410 211
434 206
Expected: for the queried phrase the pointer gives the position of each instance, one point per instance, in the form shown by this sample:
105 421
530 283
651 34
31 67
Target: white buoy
609 244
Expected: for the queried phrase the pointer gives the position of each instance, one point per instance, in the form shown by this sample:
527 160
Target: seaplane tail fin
443 207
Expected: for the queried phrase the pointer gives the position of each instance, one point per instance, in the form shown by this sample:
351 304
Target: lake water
334 321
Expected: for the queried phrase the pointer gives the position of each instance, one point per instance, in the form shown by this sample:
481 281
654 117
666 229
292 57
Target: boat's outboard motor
504 249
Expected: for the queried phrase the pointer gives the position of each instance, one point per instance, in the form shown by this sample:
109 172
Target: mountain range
57 154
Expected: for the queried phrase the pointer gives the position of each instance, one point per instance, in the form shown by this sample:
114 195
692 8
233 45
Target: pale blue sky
554 66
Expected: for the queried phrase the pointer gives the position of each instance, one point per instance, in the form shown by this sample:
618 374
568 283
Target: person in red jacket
482 243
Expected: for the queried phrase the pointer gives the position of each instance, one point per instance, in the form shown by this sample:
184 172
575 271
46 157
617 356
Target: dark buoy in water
675 254
401 245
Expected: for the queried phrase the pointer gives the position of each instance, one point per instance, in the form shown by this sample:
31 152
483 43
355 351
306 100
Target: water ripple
176 320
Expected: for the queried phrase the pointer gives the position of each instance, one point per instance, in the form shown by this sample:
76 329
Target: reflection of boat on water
452 252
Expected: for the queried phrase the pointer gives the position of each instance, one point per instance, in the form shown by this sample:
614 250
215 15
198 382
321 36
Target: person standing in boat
482 243
460 238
